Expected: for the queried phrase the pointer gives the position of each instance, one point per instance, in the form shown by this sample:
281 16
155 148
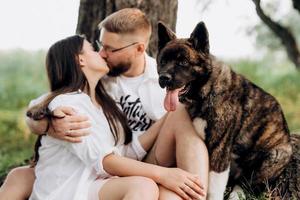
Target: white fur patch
217 184
237 193
200 125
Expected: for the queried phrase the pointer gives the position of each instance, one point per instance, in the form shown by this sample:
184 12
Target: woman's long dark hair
65 75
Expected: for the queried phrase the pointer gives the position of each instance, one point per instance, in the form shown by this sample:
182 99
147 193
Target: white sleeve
94 147
34 102
92 153
133 150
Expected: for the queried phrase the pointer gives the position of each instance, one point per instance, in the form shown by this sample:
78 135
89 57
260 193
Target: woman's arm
183 183
37 127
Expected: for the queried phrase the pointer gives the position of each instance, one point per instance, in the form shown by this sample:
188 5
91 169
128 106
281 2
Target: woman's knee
18 183
165 194
22 175
143 188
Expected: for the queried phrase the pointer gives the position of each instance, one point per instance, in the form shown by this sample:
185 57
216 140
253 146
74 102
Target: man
133 83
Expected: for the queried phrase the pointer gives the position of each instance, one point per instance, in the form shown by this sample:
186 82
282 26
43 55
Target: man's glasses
110 49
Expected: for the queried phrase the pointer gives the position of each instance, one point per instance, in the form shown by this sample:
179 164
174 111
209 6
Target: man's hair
127 20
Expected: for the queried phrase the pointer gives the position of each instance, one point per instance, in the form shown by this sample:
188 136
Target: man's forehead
110 38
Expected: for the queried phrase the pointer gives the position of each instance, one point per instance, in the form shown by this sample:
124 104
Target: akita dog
242 125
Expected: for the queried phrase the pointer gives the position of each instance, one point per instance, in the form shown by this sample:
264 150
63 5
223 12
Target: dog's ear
164 35
199 38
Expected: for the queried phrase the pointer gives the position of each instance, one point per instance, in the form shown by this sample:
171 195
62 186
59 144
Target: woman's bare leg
129 188
178 144
18 184
165 194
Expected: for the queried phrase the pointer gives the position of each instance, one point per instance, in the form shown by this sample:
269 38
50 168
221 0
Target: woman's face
91 61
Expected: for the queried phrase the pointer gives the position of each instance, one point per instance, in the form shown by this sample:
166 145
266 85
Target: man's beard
118 69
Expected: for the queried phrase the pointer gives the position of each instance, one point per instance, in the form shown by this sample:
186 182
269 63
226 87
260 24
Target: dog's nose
164 80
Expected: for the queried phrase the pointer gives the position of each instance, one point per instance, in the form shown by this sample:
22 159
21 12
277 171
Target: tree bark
287 38
92 12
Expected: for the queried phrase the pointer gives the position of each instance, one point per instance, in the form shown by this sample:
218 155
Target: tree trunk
287 38
92 12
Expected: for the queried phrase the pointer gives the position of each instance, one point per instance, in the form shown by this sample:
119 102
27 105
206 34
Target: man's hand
67 125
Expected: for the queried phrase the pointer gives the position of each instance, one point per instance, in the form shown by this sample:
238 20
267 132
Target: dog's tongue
171 100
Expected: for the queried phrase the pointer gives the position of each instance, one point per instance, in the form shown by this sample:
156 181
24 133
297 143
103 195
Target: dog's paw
237 194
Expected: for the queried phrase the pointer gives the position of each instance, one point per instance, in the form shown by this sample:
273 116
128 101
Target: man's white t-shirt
140 98
130 103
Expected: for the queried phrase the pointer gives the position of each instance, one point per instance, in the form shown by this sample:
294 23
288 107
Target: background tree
278 35
286 37
92 12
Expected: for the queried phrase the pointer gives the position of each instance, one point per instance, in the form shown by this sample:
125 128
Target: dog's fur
243 126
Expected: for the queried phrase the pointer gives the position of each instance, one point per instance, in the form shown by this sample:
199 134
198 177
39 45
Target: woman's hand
185 184
67 125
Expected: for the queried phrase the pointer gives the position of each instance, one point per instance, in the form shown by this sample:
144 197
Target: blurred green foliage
16 144
265 40
23 77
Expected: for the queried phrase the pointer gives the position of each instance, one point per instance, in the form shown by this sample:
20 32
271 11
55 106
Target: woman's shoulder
69 99
38 100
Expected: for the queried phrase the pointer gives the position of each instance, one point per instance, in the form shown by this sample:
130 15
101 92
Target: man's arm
66 125
37 126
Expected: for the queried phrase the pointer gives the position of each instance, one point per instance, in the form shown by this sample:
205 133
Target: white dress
66 170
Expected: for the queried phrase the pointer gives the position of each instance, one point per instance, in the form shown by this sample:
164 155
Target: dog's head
181 61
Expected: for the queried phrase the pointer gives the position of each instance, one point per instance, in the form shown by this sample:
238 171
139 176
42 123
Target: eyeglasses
110 49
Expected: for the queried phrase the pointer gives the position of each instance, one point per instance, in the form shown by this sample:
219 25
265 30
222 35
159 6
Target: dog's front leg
217 184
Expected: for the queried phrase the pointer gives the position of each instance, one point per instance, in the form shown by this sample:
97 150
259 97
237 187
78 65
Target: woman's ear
81 60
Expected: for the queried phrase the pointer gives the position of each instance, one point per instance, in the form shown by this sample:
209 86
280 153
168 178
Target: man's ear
141 48
199 38
165 35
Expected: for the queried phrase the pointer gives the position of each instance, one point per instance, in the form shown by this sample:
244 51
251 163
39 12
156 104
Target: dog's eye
183 63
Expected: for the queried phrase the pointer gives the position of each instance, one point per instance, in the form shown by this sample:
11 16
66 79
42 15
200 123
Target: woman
88 170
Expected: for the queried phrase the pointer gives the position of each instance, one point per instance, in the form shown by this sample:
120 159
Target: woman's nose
102 53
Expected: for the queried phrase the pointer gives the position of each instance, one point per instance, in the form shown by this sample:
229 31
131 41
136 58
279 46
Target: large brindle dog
242 125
